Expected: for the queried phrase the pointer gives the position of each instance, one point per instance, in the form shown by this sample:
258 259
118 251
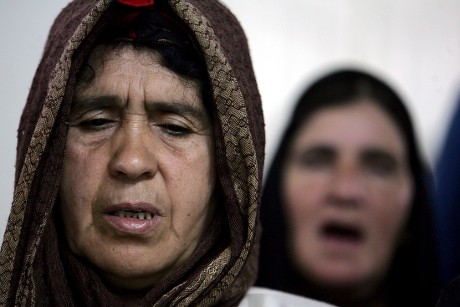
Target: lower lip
341 244
133 226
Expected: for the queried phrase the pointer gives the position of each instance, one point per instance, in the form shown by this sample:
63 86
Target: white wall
413 44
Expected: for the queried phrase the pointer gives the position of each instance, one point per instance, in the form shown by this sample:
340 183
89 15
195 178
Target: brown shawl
35 265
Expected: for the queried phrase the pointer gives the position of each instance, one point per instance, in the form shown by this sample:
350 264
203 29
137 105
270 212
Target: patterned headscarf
36 267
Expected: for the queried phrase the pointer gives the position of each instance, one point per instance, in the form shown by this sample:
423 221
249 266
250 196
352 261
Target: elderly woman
346 210
139 162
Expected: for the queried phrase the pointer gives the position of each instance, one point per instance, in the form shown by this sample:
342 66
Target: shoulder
262 297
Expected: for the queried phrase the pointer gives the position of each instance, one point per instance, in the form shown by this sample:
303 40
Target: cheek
206 172
299 209
75 175
79 185
300 194
397 203
392 216
190 172
75 208
192 185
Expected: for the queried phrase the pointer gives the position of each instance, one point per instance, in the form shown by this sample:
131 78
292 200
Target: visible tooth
141 215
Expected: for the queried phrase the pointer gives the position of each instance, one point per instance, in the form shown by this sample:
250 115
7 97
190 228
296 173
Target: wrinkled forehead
122 54
119 59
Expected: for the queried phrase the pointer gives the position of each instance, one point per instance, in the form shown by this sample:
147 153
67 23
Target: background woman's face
348 189
139 170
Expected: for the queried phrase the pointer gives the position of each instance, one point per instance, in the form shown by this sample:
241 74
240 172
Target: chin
131 278
340 276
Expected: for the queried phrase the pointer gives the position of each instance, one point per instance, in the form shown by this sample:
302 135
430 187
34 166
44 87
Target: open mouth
133 214
342 232
133 218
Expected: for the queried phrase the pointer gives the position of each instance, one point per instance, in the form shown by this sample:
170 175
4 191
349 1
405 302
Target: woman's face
139 176
348 189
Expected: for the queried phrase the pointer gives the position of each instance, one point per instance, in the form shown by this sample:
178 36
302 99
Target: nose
133 154
347 186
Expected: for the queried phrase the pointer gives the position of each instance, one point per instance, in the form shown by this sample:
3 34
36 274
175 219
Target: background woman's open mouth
342 232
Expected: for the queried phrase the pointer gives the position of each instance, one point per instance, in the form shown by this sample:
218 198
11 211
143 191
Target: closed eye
379 162
175 130
317 157
96 124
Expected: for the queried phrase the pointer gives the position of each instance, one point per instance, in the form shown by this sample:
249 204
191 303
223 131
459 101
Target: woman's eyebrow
320 149
179 108
379 154
317 150
80 106
85 104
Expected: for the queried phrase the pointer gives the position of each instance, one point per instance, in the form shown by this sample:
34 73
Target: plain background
412 44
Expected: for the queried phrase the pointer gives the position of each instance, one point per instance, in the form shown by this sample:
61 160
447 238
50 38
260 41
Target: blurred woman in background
346 210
